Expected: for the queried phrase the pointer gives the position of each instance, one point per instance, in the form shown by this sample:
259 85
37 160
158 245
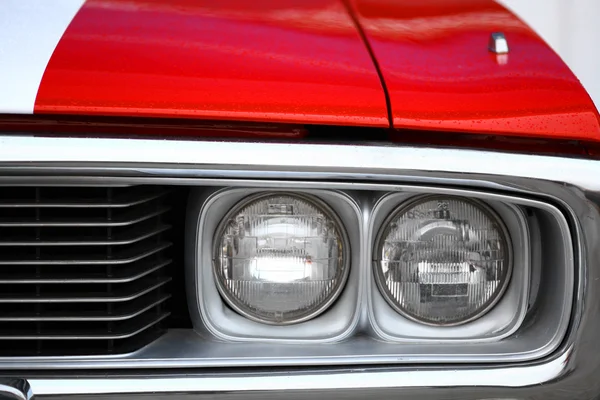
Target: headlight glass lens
443 260
281 258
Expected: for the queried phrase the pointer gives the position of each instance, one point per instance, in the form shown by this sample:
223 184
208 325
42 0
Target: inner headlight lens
443 260
281 258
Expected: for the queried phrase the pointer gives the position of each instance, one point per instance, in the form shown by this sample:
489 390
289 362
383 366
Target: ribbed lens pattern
280 259
443 260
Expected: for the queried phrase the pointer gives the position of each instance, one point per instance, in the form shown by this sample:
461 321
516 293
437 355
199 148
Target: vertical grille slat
83 270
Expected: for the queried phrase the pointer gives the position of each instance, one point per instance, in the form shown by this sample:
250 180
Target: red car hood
440 75
284 61
422 65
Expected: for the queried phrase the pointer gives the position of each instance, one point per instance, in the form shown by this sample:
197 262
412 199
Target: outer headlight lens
443 260
281 258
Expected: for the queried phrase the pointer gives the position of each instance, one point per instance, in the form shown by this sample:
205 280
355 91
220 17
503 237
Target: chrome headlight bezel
406 205
499 321
346 256
211 315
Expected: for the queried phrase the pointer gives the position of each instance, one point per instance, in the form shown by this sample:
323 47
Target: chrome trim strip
80 223
115 279
97 204
148 322
98 261
101 242
351 161
87 317
88 299
272 381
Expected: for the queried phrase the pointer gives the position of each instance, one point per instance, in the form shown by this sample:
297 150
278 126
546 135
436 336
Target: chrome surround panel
358 350
207 207
463 344
194 352
569 372
503 318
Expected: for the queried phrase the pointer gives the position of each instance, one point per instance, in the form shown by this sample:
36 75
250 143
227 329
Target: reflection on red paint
501 59
293 61
441 76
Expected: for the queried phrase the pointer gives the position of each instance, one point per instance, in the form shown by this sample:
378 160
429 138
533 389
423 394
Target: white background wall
572 28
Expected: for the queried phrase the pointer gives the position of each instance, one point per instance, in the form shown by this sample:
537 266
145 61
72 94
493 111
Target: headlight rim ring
384 229
320 205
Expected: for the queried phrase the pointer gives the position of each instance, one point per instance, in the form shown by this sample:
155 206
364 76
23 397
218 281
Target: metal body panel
440 75
292 61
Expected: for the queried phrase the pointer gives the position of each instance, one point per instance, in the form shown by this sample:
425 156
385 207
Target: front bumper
550 380
570 372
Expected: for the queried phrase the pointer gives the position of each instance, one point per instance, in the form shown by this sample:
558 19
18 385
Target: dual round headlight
283 258
442 260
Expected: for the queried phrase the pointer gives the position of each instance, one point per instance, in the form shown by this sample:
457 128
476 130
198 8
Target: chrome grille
83 270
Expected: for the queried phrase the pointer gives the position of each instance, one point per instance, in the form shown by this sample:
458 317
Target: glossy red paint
292 61
440 75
